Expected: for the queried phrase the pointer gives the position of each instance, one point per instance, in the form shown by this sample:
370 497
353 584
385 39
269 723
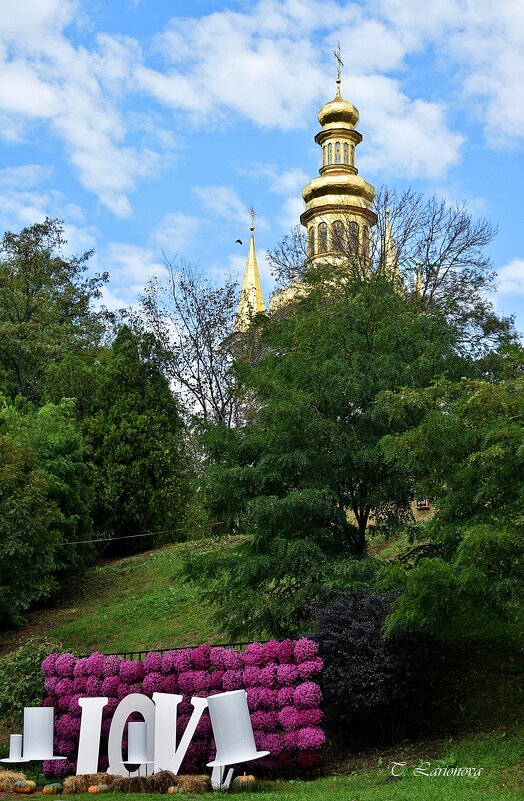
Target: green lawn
133 604
365 787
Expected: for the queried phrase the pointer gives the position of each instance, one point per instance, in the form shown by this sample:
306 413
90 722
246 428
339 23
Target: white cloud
175 232
291 211
131 265
408 139
223 203
75 90
25 175
480 42
511 278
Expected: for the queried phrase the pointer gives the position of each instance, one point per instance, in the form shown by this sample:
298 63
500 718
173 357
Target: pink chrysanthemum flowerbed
279 678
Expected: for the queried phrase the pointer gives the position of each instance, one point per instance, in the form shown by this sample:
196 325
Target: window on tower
353 238
346 153
338 236
365 241
330 153
352 155
337 153
311 241
323 155
322 237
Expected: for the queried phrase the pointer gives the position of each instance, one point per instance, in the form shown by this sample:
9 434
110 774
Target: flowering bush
282 698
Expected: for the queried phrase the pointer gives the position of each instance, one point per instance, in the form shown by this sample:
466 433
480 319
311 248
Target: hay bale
194 784
8 779
156 783
79 784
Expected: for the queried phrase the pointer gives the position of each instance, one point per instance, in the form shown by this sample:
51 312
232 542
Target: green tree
135 441
45 305
310 473
28 532
53 435
467 454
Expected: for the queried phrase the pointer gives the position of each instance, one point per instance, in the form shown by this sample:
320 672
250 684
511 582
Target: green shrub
21 678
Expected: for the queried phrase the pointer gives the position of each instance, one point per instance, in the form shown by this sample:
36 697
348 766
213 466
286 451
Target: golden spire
340 64
390 260
418 285
251 298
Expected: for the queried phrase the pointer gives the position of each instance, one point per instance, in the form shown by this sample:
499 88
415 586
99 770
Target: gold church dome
338 110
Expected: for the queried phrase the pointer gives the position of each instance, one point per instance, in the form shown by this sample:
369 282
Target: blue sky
152 126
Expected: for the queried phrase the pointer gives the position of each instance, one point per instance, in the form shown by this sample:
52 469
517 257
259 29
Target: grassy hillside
132 604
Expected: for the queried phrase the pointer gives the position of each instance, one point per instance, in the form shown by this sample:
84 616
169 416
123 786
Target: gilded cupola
338 211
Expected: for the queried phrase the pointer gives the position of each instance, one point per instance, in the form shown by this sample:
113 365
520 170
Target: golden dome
338 110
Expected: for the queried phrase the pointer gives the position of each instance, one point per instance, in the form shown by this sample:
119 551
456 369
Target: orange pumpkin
173 789
98 788
24 787
244 784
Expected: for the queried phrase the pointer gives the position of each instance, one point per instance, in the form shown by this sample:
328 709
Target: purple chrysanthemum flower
65 664
48 665
307 695
305 650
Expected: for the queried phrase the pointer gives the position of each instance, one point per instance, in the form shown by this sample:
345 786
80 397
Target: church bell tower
338 211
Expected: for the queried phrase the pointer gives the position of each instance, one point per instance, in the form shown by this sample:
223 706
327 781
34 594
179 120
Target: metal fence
138 655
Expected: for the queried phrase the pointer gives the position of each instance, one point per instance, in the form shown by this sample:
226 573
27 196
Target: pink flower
93 687
310 738
153 662
58 768
80 668
48 701
171 684
232 680
309 717
285 696
182 660
169 662
95 665
216 657
307 695
309 668
63 703
110 685
185 681
287 652
64 687
106 725
274 743
290 740
305 650
254 654
74 707
251 676
271 651
65 664
265 721
48 665
110 707
131 671
112 666
267 698
268 675
286 674
50 684
216 679
200 657
153 683
233 660
289 718
80 684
